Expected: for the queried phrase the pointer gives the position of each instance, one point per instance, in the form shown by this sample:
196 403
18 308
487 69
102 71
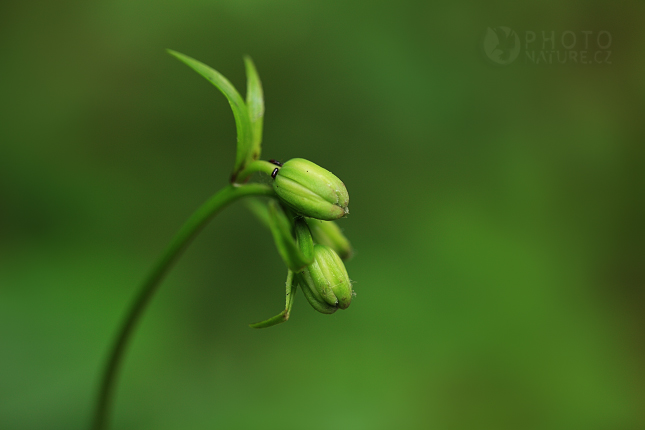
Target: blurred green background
497 213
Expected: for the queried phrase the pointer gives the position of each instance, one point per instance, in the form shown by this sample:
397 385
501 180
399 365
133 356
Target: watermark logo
503 46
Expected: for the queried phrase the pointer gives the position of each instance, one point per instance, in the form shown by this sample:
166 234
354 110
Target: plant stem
255 166
186 233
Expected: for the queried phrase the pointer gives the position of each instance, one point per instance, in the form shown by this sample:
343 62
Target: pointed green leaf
284 315
255 105
240 111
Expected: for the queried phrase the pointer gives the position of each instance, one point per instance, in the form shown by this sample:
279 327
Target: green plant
303 201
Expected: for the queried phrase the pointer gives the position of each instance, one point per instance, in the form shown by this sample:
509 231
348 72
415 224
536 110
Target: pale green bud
328 233
325 282
311 190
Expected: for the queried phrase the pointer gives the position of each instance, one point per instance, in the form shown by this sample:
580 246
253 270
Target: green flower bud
325 282
328 233
311 190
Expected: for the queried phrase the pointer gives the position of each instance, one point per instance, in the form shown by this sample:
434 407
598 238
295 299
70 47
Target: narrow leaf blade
240 111
255 105
284 315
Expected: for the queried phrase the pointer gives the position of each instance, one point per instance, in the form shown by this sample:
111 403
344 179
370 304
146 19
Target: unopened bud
311 190
328 233
325 281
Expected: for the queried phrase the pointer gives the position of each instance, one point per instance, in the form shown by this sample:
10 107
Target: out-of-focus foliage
496 214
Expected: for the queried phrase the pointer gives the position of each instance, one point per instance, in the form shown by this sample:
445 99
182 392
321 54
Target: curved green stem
186 233
255 166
